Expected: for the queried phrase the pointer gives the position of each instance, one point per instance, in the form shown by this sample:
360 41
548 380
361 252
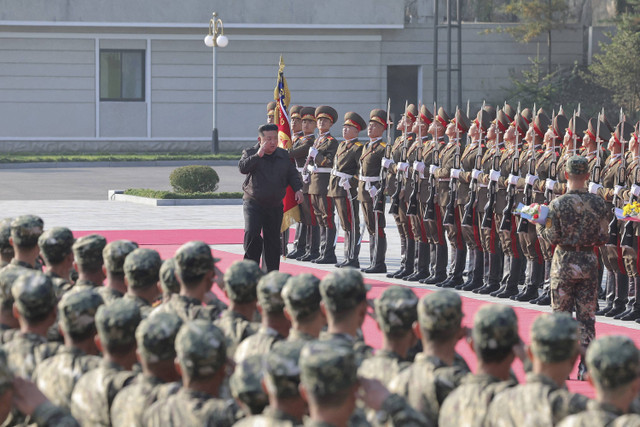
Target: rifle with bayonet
395 198
487 219
468 217
619 180
430 210
553 166
505 225
628 233
412 209
450 211
380 199
528 188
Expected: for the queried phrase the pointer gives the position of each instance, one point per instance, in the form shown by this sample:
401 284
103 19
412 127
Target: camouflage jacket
60 284
94 393
468 404
296 335
192 408
49 415
188 308
26 350
601 414
143 305
539 402
129 405
57 376
362 350
270 417
235 328
85 284
109 294
258 343
426 383
383 366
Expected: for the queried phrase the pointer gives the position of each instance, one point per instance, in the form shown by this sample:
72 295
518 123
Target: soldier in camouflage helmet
25 231
58 375
344 302
55 246
114 254
246 385
544 399
274 325
6 250
94 393
236 322
396 310
201 352
614 371
168 281
7 276
87 251
301 295
434 374
155 338
142 273
35 307
495 341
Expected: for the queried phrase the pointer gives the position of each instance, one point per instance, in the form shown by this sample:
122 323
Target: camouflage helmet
5 233
343 289
241 281
396 309
554 337
6 376
327 367
87 251
440 311
193 260
78 311
117 322
142 268
8 276
246 383
55 244
201 348
282 371
577 165
115 253
156 336
34 294
269 291
495 327
168 280
613 361
301 295
26 229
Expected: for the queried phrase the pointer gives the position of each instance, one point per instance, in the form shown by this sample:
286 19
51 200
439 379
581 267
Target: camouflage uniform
25 231
396 310
246 384
94 393
241 281
87 251
495 327
429 380
327 368
35 299
142 270
7 277
57 376
541 401
613 361
5 247
55 244
155 338
200 347
114 254
168 280
301 295
270 300
576 223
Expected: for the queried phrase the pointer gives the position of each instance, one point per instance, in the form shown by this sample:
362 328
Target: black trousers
266 220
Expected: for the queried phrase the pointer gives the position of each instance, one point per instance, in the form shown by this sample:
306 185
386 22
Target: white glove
593 187
531 179
419 166
550 184
373 191
346 185
494 176
387 162
433 169
635 189
617 189
403 166
313 152
512 180
475 173
455 173
306 178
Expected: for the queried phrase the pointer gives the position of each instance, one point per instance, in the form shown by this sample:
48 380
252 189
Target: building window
121 75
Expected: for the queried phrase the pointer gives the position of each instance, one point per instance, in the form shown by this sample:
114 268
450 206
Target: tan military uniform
299 152
320 170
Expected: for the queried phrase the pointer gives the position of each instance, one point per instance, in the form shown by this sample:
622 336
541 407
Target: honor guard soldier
296 135
322 153
343 186
396 175
419 184
573 137
271 108
369 185
439 191
307 243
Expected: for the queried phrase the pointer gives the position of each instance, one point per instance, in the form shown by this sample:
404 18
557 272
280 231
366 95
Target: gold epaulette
358 144
383 144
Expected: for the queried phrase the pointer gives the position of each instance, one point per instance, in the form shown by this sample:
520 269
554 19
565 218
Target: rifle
468 217
620 179
449 215
505 225
553 170
487 219
395 198
528 190
380 199
430 210
627 234
412 209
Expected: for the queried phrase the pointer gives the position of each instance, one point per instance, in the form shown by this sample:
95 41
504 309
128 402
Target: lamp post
215 38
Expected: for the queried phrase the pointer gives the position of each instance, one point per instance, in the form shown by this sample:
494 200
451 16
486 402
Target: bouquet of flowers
534 212
630 212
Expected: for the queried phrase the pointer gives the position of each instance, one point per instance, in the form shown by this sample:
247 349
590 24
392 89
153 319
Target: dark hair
495 355
269 127
441 336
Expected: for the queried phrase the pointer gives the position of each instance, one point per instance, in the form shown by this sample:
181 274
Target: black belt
569 248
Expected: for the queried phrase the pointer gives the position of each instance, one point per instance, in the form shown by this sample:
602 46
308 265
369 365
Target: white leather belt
482 185
315 169
444 179
344 178
368 180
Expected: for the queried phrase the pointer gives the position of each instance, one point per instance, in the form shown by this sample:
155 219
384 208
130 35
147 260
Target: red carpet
166 242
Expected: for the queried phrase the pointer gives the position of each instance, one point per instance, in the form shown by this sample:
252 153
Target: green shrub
194 179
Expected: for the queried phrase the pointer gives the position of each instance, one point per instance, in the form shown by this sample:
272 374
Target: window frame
143 67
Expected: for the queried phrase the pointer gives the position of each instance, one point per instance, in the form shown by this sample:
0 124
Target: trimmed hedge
163 194
194 179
